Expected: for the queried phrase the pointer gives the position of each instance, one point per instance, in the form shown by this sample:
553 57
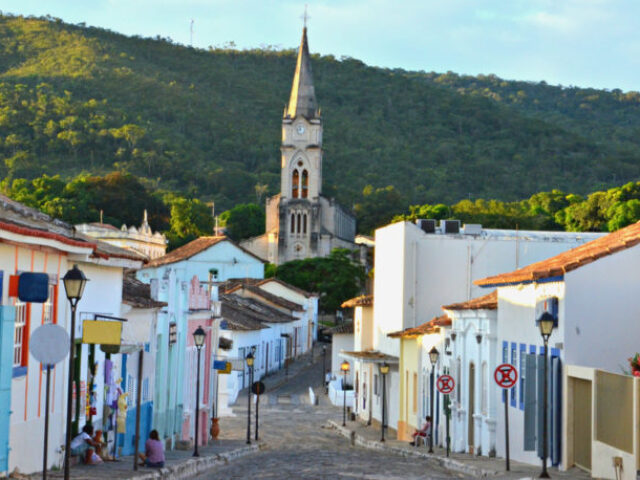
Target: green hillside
207 123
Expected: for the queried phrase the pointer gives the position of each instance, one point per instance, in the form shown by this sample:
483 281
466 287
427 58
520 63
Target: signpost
445 385
506 376
257 388
48 345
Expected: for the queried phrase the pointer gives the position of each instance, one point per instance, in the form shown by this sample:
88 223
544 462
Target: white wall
602 308
342 342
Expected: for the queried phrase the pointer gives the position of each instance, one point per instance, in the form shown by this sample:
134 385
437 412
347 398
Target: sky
586 43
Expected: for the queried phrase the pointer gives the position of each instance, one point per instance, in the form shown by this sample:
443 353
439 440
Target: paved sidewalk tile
477 466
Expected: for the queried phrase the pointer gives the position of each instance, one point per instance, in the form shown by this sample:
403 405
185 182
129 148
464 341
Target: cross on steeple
305 16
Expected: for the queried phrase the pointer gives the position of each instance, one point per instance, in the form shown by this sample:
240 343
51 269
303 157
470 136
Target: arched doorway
471 411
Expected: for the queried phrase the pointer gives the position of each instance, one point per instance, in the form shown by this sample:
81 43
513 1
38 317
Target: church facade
301 222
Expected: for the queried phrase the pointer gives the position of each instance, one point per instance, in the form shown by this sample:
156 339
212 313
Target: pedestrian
424 432
327 380
84 446
153 455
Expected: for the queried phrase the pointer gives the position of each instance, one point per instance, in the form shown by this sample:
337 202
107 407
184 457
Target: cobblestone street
296 444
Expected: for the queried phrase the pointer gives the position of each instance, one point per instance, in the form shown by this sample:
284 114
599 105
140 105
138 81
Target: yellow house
415 371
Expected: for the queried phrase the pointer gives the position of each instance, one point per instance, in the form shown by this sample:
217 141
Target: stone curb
188 468
448 463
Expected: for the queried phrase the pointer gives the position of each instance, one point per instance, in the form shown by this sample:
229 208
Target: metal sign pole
448 412
46 422
506 425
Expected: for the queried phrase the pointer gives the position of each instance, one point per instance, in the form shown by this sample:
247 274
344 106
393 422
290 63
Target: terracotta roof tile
371 355
361 301
268 296
427 328
570 260
194 247
486 302
287 285
342 328
138 294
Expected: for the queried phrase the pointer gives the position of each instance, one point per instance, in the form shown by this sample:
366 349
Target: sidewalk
476 466
179 464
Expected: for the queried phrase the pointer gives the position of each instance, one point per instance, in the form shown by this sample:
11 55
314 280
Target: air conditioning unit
426 225
450 226
472 229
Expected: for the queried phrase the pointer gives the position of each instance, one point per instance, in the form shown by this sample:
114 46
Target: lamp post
324 362
74 282
384 369
546 323
198 340
433 357
344 367
249 360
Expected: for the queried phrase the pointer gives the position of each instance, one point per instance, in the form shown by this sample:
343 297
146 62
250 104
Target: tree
243 221
337 277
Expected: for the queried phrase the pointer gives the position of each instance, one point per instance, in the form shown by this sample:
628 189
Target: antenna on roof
191 31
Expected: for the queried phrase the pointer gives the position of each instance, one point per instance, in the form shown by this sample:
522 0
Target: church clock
300 129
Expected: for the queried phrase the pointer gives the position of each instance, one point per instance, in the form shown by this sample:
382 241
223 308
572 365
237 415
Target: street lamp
324 362
546 323
433 357
344 367
74 282
198 340
384 369
249 360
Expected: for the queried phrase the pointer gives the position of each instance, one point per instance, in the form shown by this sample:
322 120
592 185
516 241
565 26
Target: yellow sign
226 370
102 332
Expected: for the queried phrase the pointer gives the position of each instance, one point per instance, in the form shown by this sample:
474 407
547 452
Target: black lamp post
384 369
74 282
433 357
344 367
324 362
546 323
249 360
198 340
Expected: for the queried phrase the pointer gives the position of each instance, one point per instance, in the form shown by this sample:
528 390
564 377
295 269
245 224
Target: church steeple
303 96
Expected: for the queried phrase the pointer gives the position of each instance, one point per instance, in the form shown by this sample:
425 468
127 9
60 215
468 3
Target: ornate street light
546 323
433 357
198 339
384 369
344 367
249 361
74 283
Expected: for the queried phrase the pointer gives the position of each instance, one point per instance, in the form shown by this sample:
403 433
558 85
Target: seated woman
154 451
424 432
83 446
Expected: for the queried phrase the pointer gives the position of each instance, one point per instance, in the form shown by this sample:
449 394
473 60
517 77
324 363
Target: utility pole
191 32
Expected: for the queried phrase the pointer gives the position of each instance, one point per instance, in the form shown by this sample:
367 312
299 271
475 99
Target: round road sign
506 375
49 344
446 384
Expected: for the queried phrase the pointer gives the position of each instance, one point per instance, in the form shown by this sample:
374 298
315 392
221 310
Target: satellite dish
49 344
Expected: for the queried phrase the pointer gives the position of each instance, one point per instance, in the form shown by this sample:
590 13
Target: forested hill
207 123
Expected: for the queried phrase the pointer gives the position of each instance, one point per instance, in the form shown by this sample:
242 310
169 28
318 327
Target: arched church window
304 224
305 183
295 181
299 220
293 223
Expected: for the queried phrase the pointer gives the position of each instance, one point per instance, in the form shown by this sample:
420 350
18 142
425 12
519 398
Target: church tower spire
302 101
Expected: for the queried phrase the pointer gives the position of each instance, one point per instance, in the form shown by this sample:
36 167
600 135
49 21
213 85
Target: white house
472 343
592 291
420 268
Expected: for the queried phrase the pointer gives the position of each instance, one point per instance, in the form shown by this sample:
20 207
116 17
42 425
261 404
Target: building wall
601 300
342 342
409 398
517 326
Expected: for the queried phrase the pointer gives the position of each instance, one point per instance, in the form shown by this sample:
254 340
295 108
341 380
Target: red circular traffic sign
445 384
506 375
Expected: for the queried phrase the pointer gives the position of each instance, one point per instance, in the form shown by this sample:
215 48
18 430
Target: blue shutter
530 403
7 318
